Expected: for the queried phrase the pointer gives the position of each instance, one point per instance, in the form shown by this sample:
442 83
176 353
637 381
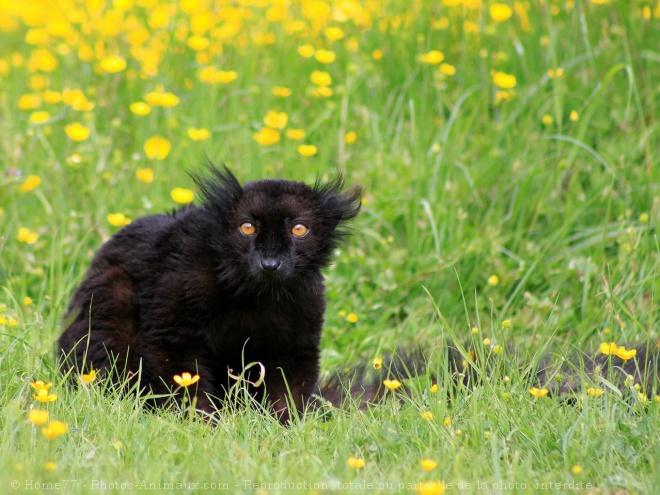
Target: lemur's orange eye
247 228
299 230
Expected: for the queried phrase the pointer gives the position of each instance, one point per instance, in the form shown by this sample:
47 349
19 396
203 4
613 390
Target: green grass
458 187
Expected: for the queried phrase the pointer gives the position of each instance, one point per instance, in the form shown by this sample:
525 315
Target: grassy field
510 159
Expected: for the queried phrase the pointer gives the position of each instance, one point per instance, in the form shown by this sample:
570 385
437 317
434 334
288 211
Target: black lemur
236 280
210 288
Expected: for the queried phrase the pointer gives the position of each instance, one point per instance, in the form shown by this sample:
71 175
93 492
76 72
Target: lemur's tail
613 367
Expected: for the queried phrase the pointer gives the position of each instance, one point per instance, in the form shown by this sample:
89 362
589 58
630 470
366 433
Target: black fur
190 292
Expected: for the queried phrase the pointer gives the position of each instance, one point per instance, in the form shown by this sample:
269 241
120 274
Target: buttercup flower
77 131
625 354
267 136
504 80
595 392
31 183
145 175
281 91
44 396
140 108
610 348
118 219
89 377
378 363
320 78
309 150
54 429
113 63
295 134
276 120
38 417
500 12
198 134
392 384
182 196
186 379
431 488
433 57
538 392
157 147
355 462
427 415
428 464
27 236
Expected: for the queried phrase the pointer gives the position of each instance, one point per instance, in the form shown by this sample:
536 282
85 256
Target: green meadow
509 155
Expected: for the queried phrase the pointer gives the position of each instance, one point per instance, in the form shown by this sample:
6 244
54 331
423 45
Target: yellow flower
351 317
433 57
431 488
644 218
574 116
392 384
610 348
140 108
310 150
186 379
31 183
224 76
181 195
547 120
27 300
77 132
118 219
427 415
295 134
325 56
428 464
446 421
350 137
500 12
355 462
52 96
200 134
625 354
306 51
320 78
486 341
493 280
29 102
160 98
538 392
44 396
276 120
434 388
281 91
267 136
334 33
40 385
595 392
113 63
447 69
145 175
89 378
504 81
506 323
50 466
39 117
323 92
27 236
576 469
378 363
38 417
157 147
54 429
377 54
